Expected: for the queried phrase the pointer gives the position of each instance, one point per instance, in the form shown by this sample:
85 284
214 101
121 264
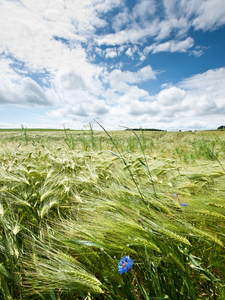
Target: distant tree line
144 129
221 127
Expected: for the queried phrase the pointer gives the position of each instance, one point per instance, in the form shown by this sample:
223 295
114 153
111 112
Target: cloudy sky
136 63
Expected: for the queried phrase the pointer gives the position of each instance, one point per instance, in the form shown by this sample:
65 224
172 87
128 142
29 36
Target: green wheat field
74 203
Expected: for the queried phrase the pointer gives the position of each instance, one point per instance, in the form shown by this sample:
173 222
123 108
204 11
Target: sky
135 63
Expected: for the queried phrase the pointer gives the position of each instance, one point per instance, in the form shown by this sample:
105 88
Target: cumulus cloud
171 96
141 108
207 91
63 42
212 79
26 92
21 90
129 52
110 53
195 103
143 74
82 110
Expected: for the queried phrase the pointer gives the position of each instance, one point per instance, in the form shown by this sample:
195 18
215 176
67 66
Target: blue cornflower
184 204
125 264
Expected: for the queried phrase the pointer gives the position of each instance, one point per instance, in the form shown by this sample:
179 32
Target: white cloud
197 52
140 13
171 96
207 91
129 52
145 20
81 110
196 103
45 37
171 46
21 90
118 76
140 108
132 35
104 6
27 31
58 40
207 15
209 80
77 87
121 20
110 53
25 92
143 9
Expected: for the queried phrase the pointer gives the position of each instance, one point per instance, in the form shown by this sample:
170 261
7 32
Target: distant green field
74 203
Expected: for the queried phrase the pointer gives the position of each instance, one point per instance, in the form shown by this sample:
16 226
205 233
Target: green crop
73 203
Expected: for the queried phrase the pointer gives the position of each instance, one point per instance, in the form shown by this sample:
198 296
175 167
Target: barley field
112 215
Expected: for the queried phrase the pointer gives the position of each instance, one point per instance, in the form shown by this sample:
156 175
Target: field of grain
74 203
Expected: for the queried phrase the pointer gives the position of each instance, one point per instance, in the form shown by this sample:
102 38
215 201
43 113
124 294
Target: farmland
73 203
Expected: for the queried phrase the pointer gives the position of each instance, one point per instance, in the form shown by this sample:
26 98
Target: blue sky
137 63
